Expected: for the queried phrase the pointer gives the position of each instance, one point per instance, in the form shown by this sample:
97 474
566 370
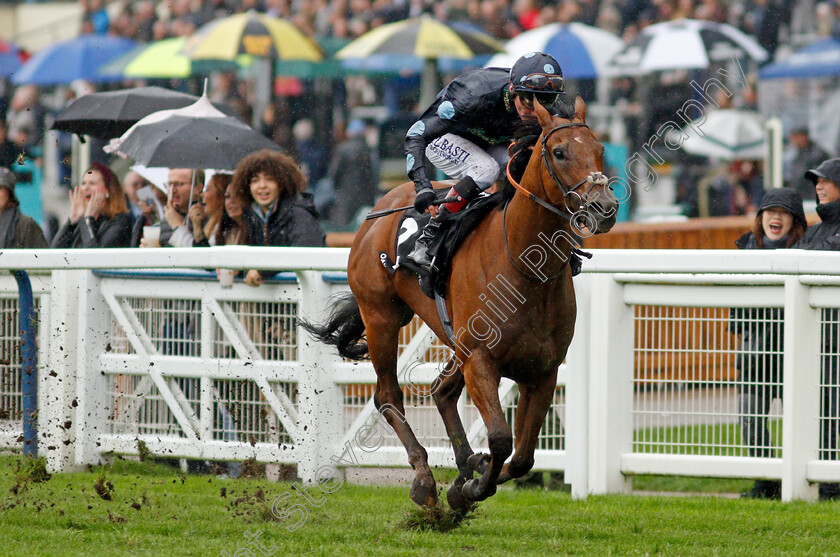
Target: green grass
155 510
700 439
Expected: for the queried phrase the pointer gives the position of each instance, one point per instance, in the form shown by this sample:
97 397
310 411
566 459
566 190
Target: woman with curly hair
99 216
278 213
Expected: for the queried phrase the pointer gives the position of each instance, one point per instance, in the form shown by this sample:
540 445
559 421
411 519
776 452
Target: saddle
454 227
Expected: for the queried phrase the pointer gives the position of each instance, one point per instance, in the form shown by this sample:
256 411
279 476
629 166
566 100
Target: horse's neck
538 241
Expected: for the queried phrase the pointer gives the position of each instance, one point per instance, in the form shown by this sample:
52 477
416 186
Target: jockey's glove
424 199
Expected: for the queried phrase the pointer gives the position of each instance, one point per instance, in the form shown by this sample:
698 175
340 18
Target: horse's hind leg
382 338
446 391
534 403
482 380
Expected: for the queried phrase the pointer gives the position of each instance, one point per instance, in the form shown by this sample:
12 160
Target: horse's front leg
482 380
534 403
446 391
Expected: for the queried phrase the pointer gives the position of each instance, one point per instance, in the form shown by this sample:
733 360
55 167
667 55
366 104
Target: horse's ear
580 110
544 116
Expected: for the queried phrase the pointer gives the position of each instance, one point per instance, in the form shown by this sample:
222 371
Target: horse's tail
343 328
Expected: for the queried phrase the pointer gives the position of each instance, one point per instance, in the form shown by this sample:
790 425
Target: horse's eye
559 154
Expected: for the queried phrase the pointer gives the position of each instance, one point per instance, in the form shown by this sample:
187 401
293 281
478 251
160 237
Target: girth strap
440 302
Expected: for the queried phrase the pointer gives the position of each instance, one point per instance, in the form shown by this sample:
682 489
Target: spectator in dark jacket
99 216
825 235
9 153
807 155
780 223
280 214
351 172
16 229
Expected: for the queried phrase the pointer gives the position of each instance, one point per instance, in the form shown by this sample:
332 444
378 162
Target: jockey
467 130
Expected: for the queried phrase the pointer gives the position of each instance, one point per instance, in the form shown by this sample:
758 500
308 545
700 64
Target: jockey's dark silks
467 129
475 105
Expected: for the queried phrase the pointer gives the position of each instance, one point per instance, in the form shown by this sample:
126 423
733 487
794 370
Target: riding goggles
546 100
540 82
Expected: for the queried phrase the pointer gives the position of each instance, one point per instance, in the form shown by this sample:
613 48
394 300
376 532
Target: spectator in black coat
99 216
806 154
16 229
780 223
825 235
279 213
352 175
8 151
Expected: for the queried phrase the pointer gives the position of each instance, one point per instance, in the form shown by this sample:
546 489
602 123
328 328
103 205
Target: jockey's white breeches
458 157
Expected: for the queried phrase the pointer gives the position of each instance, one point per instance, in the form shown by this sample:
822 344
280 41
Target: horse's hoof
472 491
423 494
457 501
479 462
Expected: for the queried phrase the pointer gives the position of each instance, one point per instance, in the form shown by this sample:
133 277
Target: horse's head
571 168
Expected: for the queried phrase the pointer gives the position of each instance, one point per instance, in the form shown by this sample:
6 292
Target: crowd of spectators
315 138
146 20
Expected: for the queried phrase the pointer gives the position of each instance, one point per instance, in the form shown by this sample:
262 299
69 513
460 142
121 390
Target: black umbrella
110 114
198 136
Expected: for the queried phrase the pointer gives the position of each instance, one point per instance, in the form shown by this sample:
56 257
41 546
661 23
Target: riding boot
420 254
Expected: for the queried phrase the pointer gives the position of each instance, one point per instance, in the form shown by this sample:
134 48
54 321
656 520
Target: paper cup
152 236
226 278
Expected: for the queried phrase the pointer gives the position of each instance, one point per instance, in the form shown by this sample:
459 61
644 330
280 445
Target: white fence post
91 385
319 398
577 389
800 418
57 402
610 385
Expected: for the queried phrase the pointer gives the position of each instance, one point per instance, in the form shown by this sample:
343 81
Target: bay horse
529 337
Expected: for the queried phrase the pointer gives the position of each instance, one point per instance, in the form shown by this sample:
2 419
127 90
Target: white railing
170 358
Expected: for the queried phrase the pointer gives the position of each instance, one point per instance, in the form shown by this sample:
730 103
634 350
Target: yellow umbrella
163 59
251 33
426 38
423 37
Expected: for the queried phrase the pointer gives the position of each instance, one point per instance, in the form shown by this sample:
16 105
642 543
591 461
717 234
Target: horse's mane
525 136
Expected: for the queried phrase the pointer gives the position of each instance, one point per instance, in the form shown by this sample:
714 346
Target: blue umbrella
819 59
9 59
582 51
79 58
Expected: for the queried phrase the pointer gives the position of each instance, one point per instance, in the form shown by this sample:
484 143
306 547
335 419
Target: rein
513 262
593 178
566 191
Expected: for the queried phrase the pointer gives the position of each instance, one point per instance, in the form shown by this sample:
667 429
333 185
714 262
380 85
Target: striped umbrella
425 38
684 44
163 60
251 33
582 51
422 37
728 134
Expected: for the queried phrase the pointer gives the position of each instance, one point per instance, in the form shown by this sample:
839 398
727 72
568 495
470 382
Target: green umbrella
328 68
163 59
